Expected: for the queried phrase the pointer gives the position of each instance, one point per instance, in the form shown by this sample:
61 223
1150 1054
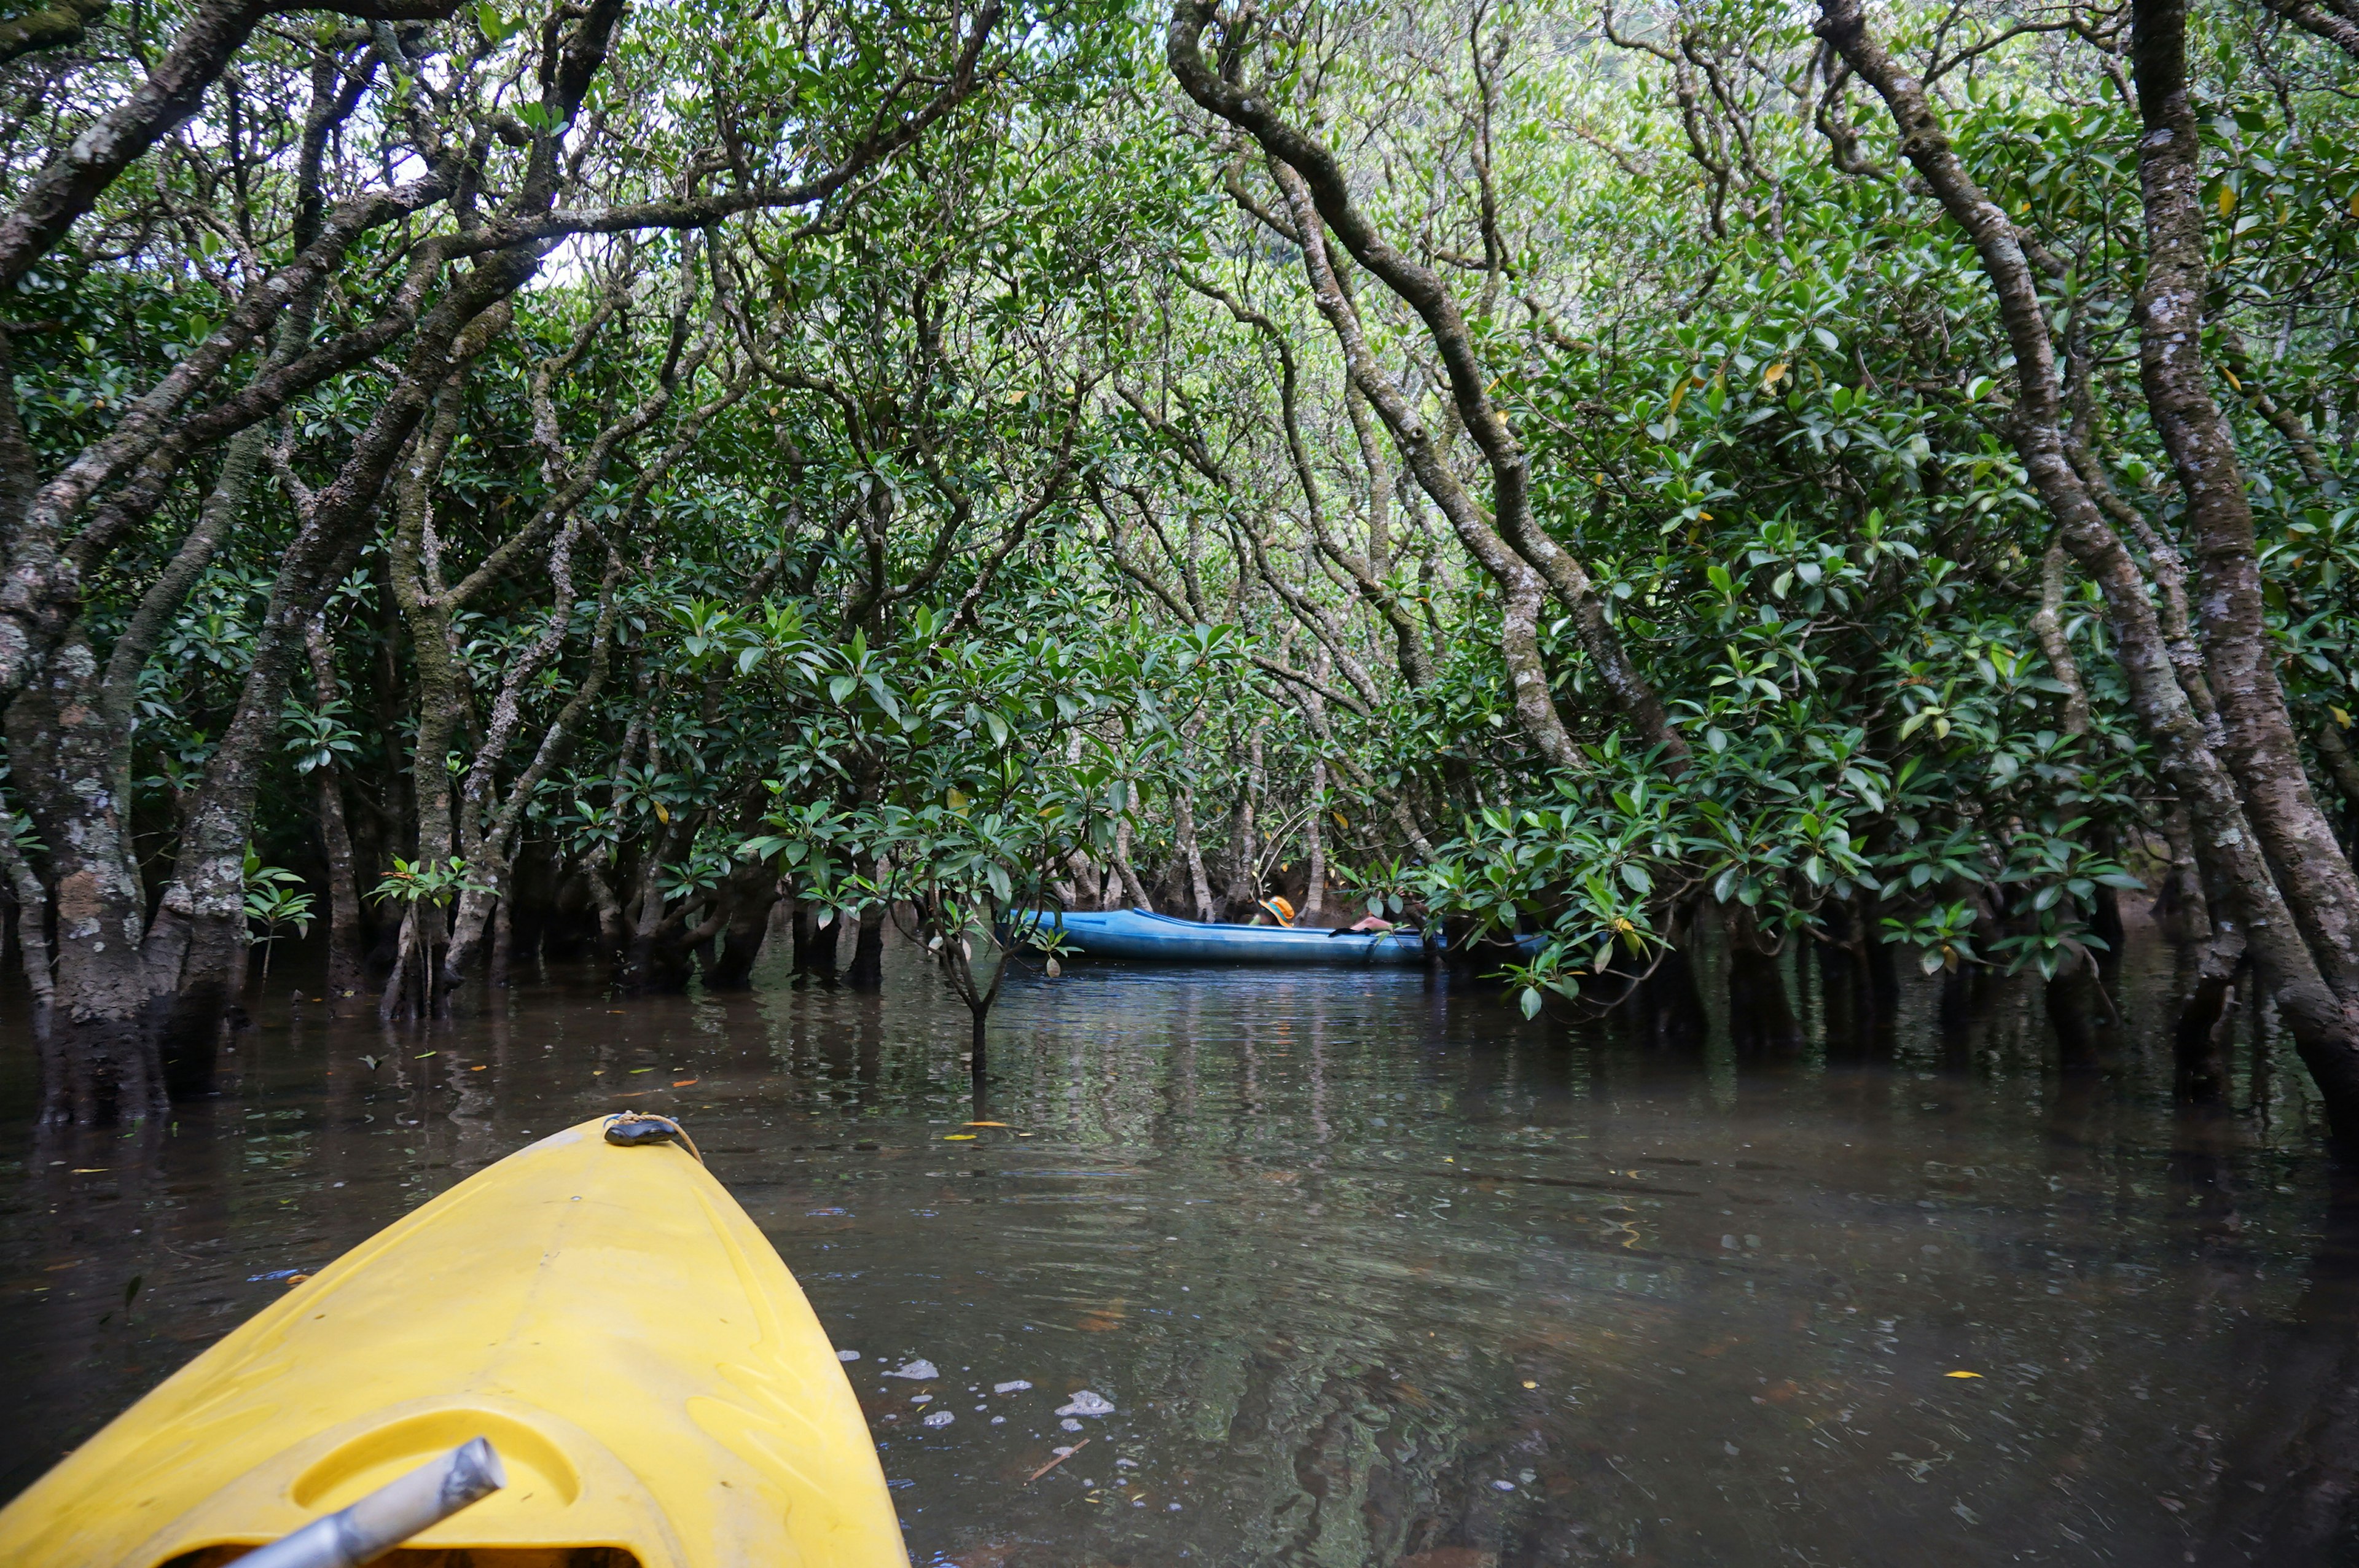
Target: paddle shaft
390 1515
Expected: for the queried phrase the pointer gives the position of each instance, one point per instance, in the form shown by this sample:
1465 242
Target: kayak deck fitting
653 1380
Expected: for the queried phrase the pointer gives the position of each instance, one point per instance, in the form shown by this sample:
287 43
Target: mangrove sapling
976 869
272 897
422 888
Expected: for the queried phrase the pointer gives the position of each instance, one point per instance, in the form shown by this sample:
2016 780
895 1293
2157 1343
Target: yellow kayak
652 1379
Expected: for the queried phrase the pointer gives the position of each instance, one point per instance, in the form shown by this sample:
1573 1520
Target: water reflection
1369 1271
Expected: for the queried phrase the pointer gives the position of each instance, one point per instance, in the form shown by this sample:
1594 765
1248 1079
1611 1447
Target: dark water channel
1371 1270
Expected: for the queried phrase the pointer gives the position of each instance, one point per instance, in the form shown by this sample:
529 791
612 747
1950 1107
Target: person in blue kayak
1281 910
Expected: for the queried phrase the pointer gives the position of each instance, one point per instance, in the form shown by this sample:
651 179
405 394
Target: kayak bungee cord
629 1128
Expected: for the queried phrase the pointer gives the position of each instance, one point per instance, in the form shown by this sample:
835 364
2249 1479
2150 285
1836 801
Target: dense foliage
505 486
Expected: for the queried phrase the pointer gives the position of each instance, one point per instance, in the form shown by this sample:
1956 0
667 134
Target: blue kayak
1140 933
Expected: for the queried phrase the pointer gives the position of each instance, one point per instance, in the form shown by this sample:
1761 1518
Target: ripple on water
1365 1269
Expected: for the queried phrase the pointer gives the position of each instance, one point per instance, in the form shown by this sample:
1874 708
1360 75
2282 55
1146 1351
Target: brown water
1371 1270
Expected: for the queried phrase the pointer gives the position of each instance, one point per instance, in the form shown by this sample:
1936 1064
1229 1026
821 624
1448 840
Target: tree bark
753 893
196 945
1183 823
867 968
1314 849
32 902
492 841
2330 19
815 945
1132 888
1242 895
1522 591
2260 744
2048 626
67 757
72 183
347 941
82 717
1312 178
2323 1031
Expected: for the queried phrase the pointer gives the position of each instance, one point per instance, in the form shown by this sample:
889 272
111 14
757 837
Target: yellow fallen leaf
2341 716
483 1069
89 1170
982 1124
1961 1374
1530 1385
958 1137
681 1083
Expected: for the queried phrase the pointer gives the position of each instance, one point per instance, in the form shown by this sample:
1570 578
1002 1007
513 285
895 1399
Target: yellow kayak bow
652 1378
